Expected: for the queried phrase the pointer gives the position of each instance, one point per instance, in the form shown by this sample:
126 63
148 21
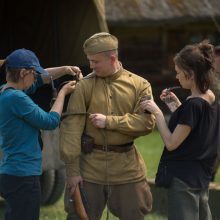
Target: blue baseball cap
23 58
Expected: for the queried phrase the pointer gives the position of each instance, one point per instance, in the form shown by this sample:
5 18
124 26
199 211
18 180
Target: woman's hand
68 87
74 71
168 95
150 106
170 99
57 72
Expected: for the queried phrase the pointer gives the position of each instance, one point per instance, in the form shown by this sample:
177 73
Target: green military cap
100 42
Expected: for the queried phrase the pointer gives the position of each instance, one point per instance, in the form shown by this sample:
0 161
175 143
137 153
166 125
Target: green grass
150 146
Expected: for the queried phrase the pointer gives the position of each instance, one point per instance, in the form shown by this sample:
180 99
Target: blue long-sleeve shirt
20 121
38 83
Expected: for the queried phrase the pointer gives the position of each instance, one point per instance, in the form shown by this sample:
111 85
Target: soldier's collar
116 74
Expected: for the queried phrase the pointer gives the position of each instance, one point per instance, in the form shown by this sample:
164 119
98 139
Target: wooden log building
151 32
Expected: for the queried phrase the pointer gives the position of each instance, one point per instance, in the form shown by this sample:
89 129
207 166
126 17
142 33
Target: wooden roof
161 11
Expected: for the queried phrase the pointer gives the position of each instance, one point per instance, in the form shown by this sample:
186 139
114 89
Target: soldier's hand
72 182
98 120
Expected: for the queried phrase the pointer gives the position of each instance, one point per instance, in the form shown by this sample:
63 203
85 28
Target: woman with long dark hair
192 137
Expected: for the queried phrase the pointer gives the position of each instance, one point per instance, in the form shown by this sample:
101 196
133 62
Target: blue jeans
186 203
22 196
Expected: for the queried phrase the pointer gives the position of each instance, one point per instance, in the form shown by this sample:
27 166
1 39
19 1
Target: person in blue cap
49 74
20 122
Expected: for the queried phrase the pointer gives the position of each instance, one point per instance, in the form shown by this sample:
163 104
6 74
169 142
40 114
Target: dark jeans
22 196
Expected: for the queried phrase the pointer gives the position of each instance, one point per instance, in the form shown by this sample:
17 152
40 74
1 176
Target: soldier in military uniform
113 172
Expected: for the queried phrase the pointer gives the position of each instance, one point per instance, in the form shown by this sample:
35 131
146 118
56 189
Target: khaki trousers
131 201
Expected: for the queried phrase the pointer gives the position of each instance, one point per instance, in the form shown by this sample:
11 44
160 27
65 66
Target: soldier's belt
116 148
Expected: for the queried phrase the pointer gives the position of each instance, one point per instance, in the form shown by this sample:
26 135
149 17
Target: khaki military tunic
117 97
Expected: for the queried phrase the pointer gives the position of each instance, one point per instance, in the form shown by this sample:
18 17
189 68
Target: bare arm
58 104
171 140
57 72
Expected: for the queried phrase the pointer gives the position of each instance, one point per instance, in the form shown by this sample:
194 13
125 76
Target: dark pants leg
22 197
187 203
126 201
96 197
204 209
130 201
